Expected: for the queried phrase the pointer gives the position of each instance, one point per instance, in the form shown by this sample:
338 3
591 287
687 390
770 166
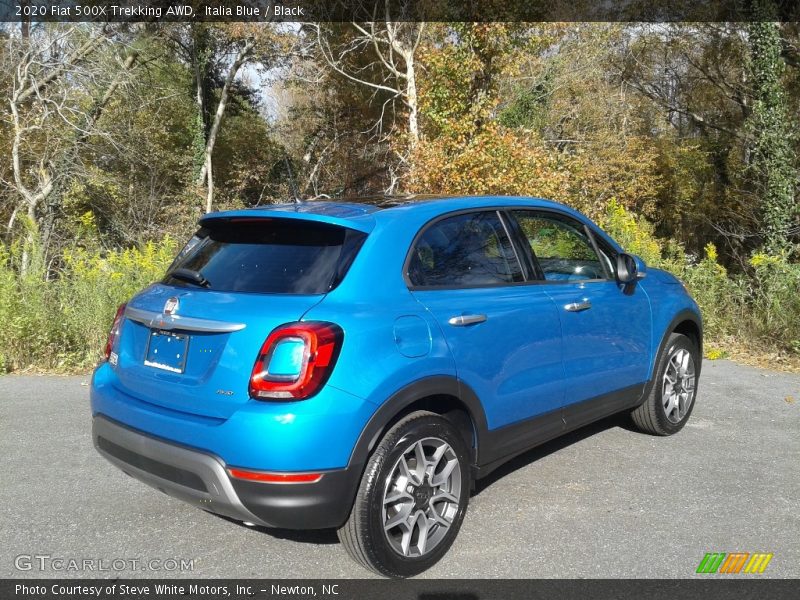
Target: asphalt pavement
603 502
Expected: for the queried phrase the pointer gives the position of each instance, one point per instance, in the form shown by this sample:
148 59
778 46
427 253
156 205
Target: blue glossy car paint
607 347
527 360
523 376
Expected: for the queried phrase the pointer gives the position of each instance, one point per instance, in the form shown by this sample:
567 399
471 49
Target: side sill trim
502 444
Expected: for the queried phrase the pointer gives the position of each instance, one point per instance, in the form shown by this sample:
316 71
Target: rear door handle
462 320
578 306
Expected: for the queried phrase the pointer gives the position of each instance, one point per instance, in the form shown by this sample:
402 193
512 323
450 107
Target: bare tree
49 117
386 48
684 68
215 55
206 172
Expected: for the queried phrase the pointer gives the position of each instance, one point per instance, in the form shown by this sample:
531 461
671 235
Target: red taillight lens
275 477
295 361
114 333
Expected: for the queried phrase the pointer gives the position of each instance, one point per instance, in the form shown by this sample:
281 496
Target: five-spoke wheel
670 398
422 497
412 498
678 393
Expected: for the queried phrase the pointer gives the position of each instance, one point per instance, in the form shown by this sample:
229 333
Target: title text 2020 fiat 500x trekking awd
358 366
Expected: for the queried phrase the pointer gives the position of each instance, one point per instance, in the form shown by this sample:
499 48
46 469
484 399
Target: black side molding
505 443
496 446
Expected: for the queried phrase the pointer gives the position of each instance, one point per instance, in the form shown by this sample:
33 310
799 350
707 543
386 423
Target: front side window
560 246
467 250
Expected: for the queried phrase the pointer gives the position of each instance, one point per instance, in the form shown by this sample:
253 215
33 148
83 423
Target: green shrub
774 300
62 324
26 330
760 308
633 233
719 296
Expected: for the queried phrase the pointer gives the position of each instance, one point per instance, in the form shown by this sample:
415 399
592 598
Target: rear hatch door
189 342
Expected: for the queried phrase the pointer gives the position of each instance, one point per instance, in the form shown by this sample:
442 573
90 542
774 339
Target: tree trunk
772 168
31 239
205 172
25 25
411 100
40 206
31 199
210 183
199 141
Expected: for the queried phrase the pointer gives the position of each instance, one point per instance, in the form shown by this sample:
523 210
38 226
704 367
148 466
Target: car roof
361 213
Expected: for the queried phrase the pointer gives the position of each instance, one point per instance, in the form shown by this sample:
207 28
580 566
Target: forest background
679 139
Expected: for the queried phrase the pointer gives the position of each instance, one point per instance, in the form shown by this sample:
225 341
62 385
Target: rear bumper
201 479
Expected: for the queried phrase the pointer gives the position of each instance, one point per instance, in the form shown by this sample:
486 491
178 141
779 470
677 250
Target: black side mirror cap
630 268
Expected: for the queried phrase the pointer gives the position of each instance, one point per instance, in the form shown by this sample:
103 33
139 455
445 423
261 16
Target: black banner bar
398 10
711 588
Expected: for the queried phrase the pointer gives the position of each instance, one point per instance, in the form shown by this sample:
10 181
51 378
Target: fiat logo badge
171 306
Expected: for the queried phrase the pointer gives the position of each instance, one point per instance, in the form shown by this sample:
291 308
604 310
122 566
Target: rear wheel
412 498
671 399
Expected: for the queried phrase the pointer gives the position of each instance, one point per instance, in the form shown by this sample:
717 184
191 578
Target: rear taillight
114 333
295 361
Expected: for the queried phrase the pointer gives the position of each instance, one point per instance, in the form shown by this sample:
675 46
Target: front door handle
578 306
462 320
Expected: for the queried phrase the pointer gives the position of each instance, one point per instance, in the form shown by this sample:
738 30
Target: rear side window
268 256
467 250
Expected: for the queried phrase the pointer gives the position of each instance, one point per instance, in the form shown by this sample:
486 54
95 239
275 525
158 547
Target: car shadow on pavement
310 536
621 420
328 536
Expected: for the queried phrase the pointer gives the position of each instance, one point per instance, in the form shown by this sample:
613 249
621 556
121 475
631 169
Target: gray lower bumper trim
218 495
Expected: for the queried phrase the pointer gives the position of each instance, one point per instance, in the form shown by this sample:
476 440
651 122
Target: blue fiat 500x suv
359 365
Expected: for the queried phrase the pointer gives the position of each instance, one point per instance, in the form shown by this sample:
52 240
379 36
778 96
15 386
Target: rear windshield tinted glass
269 256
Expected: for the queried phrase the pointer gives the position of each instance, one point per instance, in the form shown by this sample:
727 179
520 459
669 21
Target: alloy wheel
421 497
679 383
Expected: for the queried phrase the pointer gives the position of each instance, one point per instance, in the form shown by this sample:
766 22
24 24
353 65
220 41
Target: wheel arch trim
411 394
680 318
683 316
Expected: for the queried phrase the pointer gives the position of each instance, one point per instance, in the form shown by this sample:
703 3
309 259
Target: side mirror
630 268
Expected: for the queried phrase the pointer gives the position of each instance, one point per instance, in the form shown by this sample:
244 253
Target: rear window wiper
190 276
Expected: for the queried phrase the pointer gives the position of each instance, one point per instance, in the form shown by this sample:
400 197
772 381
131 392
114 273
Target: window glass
561 247
467 250
607 256
273 256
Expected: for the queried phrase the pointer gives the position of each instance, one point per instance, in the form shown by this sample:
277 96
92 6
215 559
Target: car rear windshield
268 256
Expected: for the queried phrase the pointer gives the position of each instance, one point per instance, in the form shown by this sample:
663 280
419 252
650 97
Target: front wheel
412 498
673 389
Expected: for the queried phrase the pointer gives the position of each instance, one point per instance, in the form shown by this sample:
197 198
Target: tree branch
75 57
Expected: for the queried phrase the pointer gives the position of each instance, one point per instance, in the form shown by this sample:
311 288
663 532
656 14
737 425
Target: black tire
363 535
651 416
